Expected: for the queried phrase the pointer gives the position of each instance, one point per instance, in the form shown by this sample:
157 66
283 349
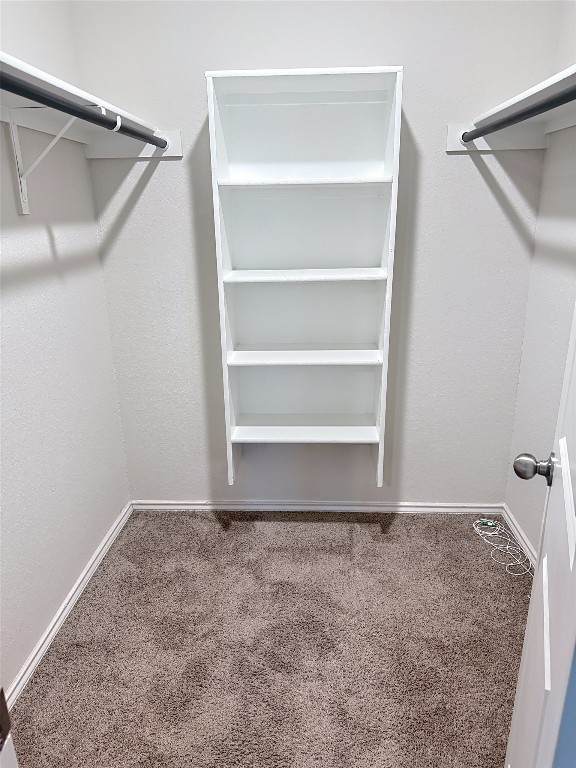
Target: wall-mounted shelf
306 434
32 98
100 142
305 357
304 175
303 275
531 131
272 177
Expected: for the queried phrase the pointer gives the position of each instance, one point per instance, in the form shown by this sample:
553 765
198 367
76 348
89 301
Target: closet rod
87 113
545 105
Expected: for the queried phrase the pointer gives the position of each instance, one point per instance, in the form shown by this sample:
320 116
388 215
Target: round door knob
527 466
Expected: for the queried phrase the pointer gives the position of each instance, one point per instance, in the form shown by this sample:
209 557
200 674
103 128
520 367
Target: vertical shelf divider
388 264
225 332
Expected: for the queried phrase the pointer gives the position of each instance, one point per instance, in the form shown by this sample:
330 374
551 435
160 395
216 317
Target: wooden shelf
303 275
305 434
300 181
306 72
305 226
306 357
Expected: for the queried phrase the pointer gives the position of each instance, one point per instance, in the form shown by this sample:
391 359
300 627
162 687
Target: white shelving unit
305 175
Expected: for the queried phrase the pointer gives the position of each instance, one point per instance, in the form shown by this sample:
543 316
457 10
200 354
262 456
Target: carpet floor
282 641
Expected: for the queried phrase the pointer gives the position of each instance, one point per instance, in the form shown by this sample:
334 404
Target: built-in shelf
293 181
324 314
302 275
304 178
305 434
306 357
100 142
309 226
531 133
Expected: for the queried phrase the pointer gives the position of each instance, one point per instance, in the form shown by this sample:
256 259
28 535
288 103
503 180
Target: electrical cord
505 549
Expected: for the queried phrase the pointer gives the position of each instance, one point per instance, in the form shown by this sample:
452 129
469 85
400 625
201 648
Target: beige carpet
282 642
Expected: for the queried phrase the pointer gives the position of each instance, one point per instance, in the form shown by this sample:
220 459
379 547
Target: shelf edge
300 276
376 362
302 182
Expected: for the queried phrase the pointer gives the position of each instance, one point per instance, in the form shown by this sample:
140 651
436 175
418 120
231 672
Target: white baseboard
406 507
45 641
519 534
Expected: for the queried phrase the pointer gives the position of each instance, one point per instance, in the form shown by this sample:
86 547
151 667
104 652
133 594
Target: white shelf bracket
516 137
23 174
522 122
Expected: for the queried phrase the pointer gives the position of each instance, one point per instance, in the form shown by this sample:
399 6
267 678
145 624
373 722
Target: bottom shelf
305 428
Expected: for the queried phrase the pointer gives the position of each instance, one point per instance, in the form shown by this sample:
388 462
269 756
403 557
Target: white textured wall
465 237
63 465
566 45
41 33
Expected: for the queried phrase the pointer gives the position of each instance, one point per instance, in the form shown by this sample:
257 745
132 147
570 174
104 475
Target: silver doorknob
527 466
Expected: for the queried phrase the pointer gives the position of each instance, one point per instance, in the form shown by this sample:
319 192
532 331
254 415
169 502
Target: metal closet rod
87 113
563 97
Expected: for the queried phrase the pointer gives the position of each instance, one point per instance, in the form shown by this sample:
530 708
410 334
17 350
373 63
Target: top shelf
307 72
553 120
529 134
304 126
12 66
29 114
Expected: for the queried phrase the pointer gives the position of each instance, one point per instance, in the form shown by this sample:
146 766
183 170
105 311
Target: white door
8 757
544 716
7 753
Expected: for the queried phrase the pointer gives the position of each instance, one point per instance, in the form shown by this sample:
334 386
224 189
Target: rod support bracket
522 136
21 173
